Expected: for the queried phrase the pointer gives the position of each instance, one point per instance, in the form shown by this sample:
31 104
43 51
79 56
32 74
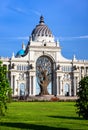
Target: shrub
5 90
82 101
54 99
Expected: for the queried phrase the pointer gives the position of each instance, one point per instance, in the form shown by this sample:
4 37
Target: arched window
22 89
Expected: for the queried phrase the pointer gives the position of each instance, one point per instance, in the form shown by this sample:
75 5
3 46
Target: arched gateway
45 75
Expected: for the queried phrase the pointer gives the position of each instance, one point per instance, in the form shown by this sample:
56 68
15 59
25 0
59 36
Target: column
17 90
74 86
12 82
70 88
34 85
84 71
79 73
54 84
57 91
60 86
30 85
77 84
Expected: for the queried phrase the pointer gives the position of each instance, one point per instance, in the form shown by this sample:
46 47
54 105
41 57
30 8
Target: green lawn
42 116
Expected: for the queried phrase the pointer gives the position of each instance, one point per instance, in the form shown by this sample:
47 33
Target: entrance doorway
66 89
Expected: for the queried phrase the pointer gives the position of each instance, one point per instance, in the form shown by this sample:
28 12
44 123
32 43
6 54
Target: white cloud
73 38
17 10
84 37
15 38
22 38
35 12
24 12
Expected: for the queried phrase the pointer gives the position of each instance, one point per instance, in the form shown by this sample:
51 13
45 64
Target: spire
23 46
74 57
13 55
57 43
41 20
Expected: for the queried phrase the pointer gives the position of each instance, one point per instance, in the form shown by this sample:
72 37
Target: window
66 68
22 67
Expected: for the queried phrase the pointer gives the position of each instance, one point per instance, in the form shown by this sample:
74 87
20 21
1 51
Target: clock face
44 64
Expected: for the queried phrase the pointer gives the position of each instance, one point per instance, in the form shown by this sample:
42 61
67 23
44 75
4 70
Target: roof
20 53
41 30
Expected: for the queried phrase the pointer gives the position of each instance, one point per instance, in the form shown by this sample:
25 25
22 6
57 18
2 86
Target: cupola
42 32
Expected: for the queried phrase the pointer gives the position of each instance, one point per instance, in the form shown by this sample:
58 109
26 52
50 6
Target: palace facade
43 53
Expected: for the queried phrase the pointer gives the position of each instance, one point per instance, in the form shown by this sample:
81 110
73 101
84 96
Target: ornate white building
43 51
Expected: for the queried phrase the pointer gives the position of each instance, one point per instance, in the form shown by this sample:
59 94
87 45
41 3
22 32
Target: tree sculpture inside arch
44 74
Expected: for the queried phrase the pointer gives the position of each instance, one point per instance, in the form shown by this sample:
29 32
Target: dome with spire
21 52
41 30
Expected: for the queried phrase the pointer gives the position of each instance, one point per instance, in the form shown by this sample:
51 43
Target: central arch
44 75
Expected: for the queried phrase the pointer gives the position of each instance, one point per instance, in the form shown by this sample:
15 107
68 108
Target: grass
42 116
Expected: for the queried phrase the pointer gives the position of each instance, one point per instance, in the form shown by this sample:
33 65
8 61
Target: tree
82 101
5 90
44 74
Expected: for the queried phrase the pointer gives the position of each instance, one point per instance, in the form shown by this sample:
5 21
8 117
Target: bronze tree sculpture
44 75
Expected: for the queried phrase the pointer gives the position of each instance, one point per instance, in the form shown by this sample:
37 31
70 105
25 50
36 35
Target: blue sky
67 19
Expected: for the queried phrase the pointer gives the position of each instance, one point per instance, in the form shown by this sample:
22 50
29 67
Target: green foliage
5 90
82 101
